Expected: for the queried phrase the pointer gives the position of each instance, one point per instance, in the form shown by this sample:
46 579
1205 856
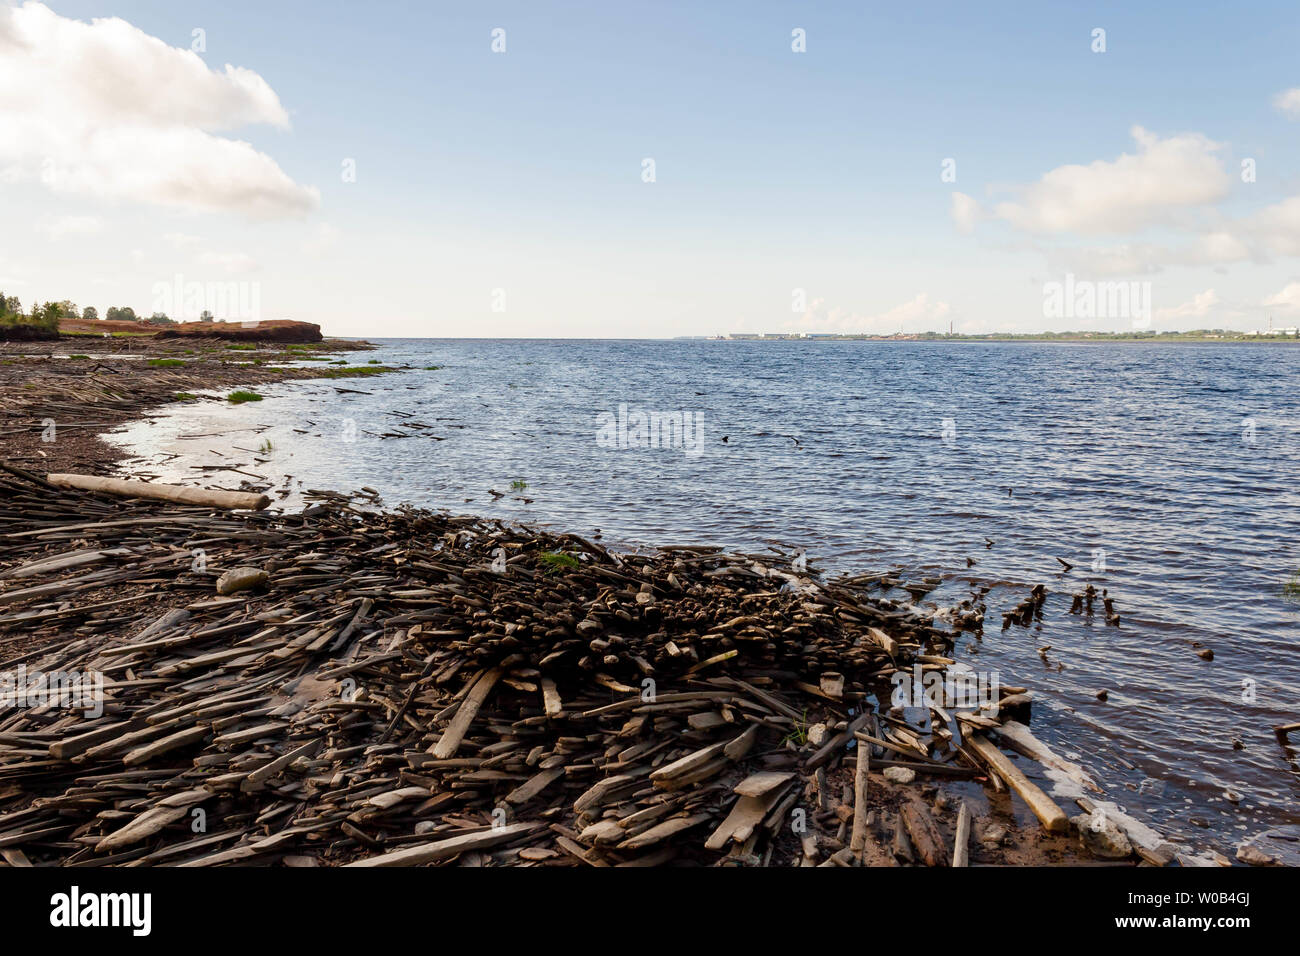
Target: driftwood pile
411 687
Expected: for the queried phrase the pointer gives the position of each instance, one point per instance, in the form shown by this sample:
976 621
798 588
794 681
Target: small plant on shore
245 347
354 371
166 363
265 448
185 396
518 485
432 368
374 362
82 358
799 736
239 396
553 562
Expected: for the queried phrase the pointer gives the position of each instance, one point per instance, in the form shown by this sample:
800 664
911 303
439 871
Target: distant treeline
48 315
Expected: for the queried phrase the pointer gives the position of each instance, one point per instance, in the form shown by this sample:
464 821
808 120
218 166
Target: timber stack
408 687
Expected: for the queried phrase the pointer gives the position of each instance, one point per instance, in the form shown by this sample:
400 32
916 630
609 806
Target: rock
241 579
1254 856
1205 654
27 333
900 774
994 834
817 734
274 330
1277 847
1100 835
1103 695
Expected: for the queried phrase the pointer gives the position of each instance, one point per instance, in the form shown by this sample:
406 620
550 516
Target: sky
566 169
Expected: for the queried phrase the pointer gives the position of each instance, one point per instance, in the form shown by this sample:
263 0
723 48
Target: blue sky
502 193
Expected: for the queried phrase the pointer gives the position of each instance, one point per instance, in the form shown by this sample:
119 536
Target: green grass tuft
553 562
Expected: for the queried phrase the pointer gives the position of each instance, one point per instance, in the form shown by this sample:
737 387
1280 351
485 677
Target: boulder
1100 835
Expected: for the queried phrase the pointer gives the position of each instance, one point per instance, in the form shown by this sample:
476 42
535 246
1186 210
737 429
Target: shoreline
53 411
166 599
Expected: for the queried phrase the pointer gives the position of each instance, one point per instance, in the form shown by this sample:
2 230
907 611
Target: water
1169 475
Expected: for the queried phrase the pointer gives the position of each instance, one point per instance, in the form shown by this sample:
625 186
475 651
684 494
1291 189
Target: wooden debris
386 698
1051 816
961 842
180 494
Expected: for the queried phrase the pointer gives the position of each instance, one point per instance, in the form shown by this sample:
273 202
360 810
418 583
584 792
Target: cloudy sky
653 170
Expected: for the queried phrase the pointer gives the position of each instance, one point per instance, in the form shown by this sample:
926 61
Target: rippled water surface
1169 475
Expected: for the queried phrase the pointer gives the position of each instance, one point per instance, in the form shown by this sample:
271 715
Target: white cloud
1217 248
1130 193
1197 306
231 262
919 311
323 237
1288 102
104 110
64 226
919 314
1277 227
1128 259
965 212
180 239
1287 299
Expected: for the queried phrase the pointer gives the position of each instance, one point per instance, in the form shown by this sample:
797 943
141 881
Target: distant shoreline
1099 339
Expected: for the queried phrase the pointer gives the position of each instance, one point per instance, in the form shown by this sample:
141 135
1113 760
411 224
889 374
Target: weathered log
1051 816
180 494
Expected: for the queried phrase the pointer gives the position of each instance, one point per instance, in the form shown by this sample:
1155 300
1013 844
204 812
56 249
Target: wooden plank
858 839
961 842
551 703
534 785
440 850
1051 816
1019 738
757 784
451 738
664 830
925 835
180 494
